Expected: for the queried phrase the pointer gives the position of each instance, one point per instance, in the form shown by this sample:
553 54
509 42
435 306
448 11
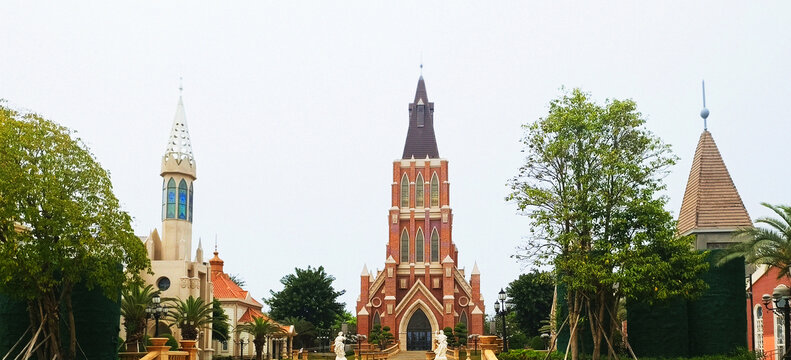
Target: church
176 273
421 289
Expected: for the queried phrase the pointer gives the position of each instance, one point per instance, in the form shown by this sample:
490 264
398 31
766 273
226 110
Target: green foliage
190 316
375 334
385 338
460 334
531 295
172 342
526 354
590 186
219 321
449 334
770 245
308 294
306 332
134 301
345 318
60 224
260 329
536 343
237 279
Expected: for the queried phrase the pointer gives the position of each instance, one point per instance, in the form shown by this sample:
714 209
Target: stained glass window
171 211
419 192
463 319
377 319
190 202
404 192
404 246
164 198
183 199
434 190
434 245
419 249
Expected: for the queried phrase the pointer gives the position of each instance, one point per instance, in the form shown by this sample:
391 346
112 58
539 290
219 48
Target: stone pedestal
158 345
189 347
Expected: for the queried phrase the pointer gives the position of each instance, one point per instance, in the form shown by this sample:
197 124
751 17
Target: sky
296 110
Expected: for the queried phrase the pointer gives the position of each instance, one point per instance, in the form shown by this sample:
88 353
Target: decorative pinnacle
181 85
215 242
704 113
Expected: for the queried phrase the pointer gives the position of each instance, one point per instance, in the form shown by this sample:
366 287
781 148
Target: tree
60 225
449 334
375 334
531 295
260 329
590 186
237 279
219 321
190 316
308 293
134 301
385 338
770 246
460 334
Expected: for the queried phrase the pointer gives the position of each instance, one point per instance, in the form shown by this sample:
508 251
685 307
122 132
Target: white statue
442 346
339 347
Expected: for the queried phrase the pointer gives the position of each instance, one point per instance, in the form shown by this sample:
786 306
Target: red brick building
766 326
421 290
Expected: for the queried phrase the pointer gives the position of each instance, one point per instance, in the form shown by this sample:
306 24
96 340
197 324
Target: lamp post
501 303
474 338
359 338
156 311
781 296
241 348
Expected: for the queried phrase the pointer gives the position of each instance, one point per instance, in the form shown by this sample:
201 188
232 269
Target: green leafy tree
219 321
345 318
375 334
449 334
769 245
308 294
237 279
590 185
190 316
460 334
385 338
260 329
531 296
134 301
60 225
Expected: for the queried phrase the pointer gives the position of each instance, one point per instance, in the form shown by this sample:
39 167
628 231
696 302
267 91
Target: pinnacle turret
179 145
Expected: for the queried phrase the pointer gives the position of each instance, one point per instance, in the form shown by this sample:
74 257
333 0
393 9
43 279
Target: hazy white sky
297 109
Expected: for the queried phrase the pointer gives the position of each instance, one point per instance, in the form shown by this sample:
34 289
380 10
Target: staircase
409 355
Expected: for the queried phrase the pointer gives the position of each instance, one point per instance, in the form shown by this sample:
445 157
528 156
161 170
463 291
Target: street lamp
241 347
156 311
781 296
359 338
501 297
474 338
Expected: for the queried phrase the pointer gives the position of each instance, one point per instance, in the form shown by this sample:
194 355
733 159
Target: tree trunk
72 328
52 314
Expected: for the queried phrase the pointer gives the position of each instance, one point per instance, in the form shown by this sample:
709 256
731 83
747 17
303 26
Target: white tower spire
179 145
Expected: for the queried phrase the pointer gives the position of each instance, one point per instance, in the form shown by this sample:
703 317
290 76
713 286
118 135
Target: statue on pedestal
442 346
339 347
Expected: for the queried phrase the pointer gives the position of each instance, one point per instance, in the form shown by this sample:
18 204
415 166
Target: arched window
404 192
434 190
164 198
758 322
377 319
183 199
171 210
404 246
434 245
463 319
419 204
419 248
190 201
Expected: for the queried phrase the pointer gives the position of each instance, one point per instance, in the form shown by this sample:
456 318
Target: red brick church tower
421 290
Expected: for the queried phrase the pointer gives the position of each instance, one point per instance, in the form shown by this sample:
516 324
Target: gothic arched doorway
418 332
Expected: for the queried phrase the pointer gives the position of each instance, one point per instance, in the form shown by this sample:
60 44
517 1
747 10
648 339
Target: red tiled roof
251 314
225 288
711 200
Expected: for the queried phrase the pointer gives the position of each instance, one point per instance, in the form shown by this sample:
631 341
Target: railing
371 352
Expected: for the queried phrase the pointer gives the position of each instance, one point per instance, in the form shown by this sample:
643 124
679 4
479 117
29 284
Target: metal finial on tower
704 113
181 85
215 242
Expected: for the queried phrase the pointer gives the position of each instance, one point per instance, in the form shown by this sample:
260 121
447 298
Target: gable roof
252 313
225 288
711 200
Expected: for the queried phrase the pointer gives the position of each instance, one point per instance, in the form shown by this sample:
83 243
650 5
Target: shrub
536 343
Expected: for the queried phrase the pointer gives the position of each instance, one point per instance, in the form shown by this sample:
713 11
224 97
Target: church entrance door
418 332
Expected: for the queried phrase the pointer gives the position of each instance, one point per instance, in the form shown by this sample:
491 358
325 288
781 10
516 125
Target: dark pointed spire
420 139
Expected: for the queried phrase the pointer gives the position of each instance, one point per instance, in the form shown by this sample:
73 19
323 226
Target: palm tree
134 300
769 246
304 329
191 316
260 328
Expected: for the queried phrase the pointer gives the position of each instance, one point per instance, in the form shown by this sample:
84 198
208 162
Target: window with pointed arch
404 246
404 192
434 245
419 247
190 201
164 199
377 319
419 204
434 190
183 200
463 319
171 210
